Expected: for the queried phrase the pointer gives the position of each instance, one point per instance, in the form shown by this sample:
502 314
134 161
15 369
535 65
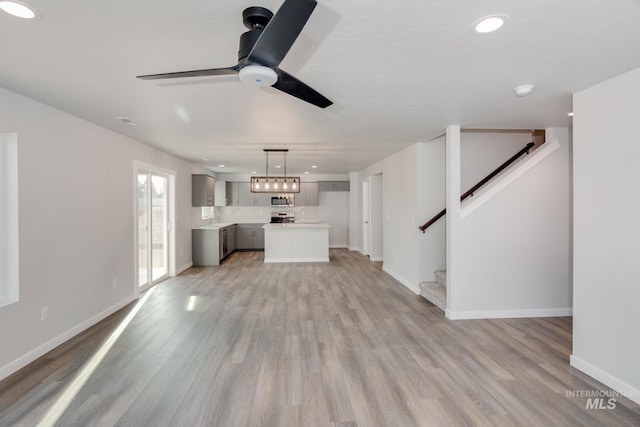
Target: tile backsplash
248 214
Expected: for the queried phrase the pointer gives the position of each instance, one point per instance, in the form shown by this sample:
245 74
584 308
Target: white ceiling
398 72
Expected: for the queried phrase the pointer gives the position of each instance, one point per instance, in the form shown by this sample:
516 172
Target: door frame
139 167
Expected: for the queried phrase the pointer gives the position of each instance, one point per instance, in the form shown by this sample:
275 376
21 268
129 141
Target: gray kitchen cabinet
335 185
250 237
233 195
308 195
202 190
209 246
205 246
231 238
247 198
220 194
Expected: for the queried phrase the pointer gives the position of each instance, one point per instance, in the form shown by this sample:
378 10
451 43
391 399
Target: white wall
355 212
482 152
431 200
607 232
76 216
334 209
376 228
399 234
512 256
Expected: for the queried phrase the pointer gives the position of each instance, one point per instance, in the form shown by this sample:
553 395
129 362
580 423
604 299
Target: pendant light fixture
275 184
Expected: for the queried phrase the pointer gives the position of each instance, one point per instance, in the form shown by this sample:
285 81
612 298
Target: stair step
435 293
441 277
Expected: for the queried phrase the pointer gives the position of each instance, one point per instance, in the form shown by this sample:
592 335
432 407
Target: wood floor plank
312 344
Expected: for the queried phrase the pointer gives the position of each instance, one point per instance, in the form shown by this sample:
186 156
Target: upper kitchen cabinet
220 194
334 186
232 195
202 190
239 194
308 195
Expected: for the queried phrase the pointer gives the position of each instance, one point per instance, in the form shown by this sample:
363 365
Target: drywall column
606 279
375 218
453 208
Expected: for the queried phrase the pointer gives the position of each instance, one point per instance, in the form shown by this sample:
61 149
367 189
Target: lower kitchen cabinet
249 237
211 245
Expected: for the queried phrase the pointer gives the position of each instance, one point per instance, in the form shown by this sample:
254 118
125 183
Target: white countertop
296 225
219 225
215 226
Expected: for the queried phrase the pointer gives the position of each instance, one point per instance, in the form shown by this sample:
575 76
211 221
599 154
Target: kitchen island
295 242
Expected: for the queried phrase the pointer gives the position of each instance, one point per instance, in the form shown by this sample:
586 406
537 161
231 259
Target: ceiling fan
262 48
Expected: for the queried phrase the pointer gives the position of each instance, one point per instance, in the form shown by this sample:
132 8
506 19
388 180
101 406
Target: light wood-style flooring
337 344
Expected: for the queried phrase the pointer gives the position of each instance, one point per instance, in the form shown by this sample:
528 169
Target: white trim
356 249
508 314
9 220
376 258
342 246
170 175
503 182
413 288
43 349
267 260
609 380
183 268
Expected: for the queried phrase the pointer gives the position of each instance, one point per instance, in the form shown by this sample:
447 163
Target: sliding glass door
153 230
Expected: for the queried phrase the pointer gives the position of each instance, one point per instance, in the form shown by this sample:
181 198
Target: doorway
154 231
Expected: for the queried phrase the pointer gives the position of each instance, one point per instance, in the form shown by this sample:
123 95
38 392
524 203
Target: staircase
436 292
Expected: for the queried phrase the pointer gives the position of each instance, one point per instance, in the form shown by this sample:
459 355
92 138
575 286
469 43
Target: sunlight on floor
191 305
71 391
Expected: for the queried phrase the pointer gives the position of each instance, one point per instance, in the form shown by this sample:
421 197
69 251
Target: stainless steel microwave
281 201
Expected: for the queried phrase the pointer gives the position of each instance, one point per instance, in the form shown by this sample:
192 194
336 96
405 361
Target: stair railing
475 188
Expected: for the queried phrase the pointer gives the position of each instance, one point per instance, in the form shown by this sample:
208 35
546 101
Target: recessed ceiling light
570 114
19 9
220 166
489 24
307 172
523 90
278 166
314 166
254 172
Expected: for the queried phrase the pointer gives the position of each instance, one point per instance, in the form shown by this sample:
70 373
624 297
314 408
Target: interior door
153 228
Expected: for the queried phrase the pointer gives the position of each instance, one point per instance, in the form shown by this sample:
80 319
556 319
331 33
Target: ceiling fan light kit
19 9
263 48
257 75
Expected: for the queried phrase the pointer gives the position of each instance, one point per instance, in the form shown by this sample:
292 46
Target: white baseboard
508 314
40 351
610 381
413 288
272 260
342 246
184 268
376 258
355 249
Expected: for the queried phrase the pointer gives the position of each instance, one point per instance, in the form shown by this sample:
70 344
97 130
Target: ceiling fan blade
289 84
194 73
281 32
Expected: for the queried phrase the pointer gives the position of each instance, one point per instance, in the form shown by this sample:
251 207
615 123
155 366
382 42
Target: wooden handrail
486 179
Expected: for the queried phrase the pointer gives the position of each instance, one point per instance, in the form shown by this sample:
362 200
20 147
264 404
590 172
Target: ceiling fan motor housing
255 19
